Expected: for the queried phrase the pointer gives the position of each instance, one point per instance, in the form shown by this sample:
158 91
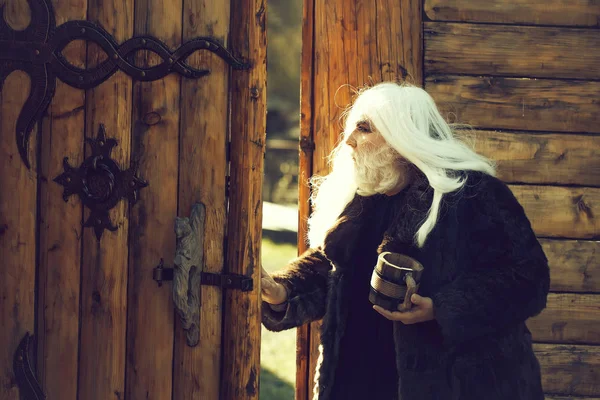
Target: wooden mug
394 280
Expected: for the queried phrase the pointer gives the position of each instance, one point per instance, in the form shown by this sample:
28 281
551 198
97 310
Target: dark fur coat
484 270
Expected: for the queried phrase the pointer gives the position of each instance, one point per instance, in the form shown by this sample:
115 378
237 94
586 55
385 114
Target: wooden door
524 75
188 121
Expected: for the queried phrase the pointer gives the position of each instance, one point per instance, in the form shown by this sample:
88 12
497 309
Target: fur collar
409 209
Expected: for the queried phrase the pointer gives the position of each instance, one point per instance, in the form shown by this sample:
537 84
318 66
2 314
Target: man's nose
351 141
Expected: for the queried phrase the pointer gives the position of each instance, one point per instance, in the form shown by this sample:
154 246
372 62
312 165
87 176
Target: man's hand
271 291
421 311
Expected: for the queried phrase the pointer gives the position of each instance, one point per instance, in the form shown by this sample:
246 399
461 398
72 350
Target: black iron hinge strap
225 281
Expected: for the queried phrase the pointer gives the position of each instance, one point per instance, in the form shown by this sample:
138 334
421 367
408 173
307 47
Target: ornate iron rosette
100 183
37 50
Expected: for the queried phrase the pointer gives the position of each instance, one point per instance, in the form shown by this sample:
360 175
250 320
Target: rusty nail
254 93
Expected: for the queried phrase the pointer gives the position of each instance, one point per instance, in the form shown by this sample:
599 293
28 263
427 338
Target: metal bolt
143 73
116 56
101 143
80 78
82 30
98 221
171 60
132 183
68 179
20 357
228 281
37 52
254 93
143 41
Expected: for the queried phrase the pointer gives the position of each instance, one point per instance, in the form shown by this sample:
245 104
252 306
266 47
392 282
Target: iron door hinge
226 281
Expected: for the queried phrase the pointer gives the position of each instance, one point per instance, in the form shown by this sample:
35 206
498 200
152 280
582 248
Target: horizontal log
520 104
560 211
541 52
568 318
540 158
536 12
569 370
574 265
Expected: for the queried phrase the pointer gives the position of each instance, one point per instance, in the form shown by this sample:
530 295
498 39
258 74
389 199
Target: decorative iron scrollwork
29 387
37 50
100 183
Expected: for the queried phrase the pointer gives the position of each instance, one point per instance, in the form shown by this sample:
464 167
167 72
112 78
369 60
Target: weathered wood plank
17 231
569 370
306 147
202 178
501 50
241 336
560 211
104 269
60 228
536 12
574 265
540 158
512 103
568 318
155 144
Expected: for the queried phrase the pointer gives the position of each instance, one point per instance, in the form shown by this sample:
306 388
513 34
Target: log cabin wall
525 75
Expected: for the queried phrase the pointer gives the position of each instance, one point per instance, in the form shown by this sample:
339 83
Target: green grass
278 349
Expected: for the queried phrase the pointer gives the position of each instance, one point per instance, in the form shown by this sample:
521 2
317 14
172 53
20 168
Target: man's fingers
409 317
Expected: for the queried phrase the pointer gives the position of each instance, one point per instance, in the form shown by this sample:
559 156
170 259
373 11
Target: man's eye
364 128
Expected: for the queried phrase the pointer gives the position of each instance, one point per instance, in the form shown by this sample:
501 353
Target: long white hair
408 119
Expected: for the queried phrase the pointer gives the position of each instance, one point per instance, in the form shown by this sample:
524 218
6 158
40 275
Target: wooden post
364 42
60 228
105 262
18 210
203 178
306 147
241 339
155 143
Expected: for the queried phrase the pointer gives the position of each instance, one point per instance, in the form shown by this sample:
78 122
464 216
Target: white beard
375 170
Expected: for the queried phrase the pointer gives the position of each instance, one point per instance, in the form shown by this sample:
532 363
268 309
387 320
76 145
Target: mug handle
411 287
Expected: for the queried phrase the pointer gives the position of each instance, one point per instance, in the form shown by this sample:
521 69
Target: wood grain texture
536 12
568 318
202 178
501 50
569 370
514 103
560 211
155 144
540 158
18 212
306 146
241 336
60 228
104 269
574 265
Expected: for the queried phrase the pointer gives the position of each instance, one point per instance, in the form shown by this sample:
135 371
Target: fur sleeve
508 280
305 279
